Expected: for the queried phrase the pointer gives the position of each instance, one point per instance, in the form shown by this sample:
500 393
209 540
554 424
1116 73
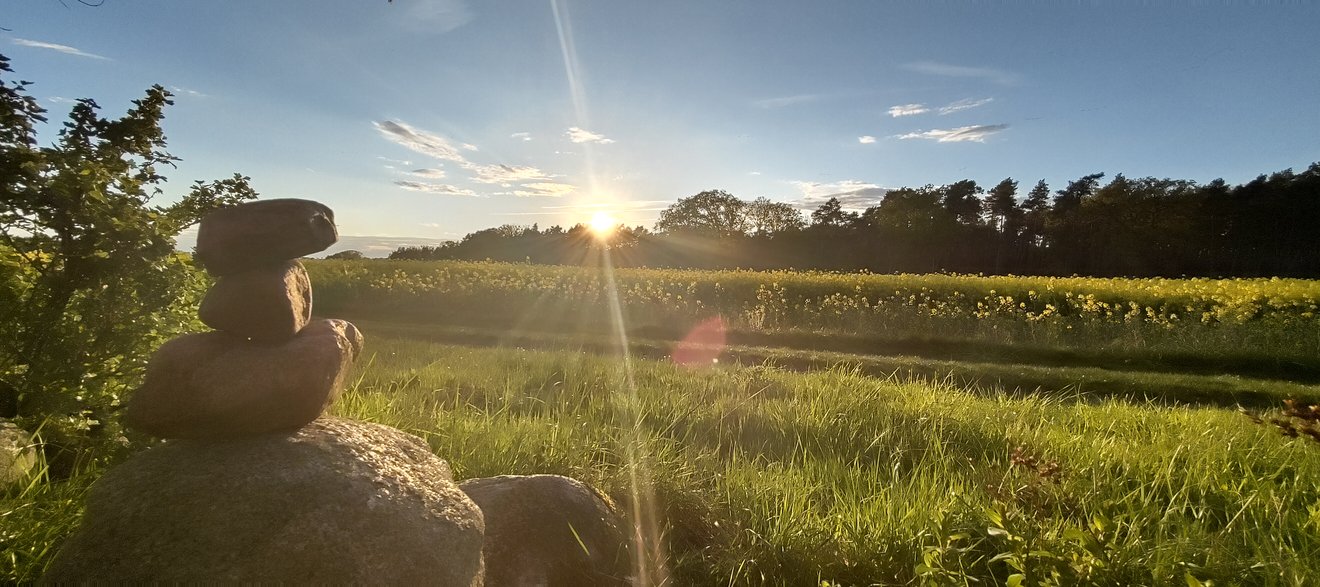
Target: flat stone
255 234
270 304
550 531
216 385
337 502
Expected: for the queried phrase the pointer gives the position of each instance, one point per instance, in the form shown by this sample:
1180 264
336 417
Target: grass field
887 443
764 475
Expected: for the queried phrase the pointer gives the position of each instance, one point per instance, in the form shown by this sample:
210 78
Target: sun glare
602 224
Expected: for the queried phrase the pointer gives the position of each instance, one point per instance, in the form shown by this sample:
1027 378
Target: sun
602 224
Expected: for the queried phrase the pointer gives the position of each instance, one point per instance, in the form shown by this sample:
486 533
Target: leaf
1015 580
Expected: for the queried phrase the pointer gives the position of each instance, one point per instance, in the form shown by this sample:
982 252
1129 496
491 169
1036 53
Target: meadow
854 429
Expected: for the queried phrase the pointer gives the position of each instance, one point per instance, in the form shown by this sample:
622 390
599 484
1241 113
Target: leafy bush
90 282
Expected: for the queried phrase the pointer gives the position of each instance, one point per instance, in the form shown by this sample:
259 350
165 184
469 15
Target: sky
423 120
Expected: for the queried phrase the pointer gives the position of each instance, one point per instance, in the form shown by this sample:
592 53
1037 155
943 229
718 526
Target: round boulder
336 502
18 454
550 531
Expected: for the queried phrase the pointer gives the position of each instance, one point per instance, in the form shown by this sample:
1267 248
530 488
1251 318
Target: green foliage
714 213
349 255
90 282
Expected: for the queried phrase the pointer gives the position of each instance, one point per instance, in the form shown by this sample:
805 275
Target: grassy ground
758 474
763 475
857 429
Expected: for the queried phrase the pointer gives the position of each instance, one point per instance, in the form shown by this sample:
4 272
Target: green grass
762 475
35 518
765 475
1007 372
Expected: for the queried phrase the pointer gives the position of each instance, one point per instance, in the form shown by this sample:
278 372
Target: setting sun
602 224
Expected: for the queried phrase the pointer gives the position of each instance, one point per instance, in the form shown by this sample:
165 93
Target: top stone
256 234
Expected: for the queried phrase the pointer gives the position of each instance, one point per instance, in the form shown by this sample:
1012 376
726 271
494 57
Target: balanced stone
549 530
336 502
271 303
217 385
250 235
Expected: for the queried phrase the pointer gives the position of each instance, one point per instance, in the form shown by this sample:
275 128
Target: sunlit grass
762 475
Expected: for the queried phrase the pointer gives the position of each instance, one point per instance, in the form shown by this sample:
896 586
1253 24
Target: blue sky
428 119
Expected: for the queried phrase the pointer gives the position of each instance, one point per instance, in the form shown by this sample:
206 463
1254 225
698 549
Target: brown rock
549 530
336 502
216 385
254 234
269 304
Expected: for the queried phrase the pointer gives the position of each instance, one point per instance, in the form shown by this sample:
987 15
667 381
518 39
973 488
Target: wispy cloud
907 110
439 147
753 173
420 141
852 194
57 47
579 135
178 91
585 209
428 172
506 175
866 139
377 246
522 136
783 101
964 104
544 190
946 70
61 100
433 16
394 161
635 205
434 188
975 134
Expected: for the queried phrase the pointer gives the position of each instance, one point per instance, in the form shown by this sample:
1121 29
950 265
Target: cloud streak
973 134
178 91
420 141
946 70
866 139
439 147
579 135
782 101
435 16
907 110
434 188
67 50
544 190
852 194
964 104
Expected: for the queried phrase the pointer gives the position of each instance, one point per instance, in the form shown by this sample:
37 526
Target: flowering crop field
797 467
1278 317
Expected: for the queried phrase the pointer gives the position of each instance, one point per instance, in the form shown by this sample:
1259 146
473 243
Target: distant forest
1269 226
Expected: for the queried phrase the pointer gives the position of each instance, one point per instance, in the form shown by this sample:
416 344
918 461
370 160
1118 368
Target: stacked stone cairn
254 486
267 366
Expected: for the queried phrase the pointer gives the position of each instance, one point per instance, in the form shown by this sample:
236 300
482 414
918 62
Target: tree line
1269 226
